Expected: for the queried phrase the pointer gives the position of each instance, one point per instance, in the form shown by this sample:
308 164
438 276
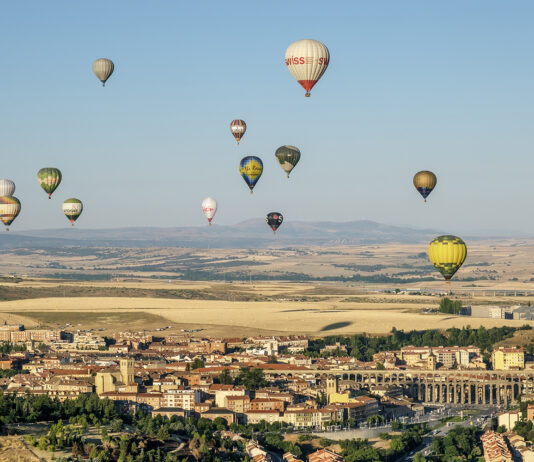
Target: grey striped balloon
103 68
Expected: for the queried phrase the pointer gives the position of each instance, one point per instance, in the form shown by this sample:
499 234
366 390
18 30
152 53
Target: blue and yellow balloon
251 168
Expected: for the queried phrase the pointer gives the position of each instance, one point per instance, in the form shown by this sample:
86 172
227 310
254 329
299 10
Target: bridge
439 387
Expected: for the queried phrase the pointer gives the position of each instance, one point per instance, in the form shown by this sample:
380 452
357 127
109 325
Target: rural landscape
312 290
296 344
266 231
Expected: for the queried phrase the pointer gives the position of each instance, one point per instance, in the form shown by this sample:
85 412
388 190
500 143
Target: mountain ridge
249 233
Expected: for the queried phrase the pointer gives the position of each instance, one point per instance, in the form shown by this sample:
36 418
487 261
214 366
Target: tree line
363 347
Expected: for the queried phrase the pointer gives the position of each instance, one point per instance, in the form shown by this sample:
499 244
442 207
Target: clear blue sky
441 85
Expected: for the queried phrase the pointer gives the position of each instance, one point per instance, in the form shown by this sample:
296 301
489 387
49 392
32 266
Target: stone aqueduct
459 387
451 386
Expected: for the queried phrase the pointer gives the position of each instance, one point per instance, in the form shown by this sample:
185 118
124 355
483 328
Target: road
424 448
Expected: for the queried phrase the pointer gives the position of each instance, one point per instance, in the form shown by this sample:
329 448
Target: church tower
431 362
331 386
127 371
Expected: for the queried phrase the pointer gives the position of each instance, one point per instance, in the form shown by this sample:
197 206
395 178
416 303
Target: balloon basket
307 95
251 192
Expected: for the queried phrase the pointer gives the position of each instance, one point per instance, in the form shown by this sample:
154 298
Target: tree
446 305
397 445
116 425
320 399
419 457
163 434
105 436
252 379
226 378
197 363
396 425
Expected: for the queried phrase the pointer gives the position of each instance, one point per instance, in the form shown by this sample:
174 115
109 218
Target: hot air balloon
49 179
307 61
274 220
251 168
447 253
103 68
238 128
7 188
288 157
424 181
9 209
209 207
72 208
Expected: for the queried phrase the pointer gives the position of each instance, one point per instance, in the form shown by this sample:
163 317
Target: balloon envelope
307 61
288 157
49 179
238 128
9 209
72 208
7 188
209 207
103 68
447 253
251 168
424 181
274 220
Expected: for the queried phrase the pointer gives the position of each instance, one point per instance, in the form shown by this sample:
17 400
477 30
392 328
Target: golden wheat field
377 314
494 273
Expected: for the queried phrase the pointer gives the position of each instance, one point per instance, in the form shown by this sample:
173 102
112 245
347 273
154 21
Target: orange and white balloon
209 207
307 61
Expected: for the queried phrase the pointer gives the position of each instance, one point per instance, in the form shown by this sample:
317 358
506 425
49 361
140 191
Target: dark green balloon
288 157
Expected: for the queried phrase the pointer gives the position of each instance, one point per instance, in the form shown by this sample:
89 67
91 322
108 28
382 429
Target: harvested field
238 318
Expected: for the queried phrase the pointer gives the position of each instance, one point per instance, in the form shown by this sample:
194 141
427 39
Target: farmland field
494 274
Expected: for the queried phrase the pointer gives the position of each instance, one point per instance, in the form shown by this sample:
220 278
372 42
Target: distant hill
252 233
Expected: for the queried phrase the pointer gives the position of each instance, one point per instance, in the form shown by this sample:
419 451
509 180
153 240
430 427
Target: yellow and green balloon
9 209
49 179
447 253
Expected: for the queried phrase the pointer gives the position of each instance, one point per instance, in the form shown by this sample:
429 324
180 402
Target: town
341 393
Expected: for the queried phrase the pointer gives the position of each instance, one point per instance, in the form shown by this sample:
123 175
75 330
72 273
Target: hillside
248 234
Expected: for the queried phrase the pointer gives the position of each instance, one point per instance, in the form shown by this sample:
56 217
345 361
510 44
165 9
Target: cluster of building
258 453
458 358
181 375
432 358
506 447
517 312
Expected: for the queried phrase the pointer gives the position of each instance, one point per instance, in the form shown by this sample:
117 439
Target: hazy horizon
502 233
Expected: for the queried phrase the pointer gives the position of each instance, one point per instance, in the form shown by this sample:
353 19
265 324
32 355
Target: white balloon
209 207
7 188
103 68
307 61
